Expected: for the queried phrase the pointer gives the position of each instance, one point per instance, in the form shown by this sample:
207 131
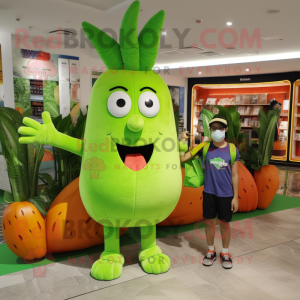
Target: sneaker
226 260
209 258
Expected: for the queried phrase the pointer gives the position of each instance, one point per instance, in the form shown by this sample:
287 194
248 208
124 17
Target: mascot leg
111 262
151 257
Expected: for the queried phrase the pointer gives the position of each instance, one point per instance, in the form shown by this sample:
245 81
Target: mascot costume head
130 173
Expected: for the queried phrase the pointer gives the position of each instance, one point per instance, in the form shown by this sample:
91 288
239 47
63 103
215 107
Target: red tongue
135 161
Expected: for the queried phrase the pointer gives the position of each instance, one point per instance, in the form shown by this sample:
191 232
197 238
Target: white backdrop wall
7 69
89 60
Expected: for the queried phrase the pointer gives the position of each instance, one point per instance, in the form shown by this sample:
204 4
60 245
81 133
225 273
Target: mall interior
116 206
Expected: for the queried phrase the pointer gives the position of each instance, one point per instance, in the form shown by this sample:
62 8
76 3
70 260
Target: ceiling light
273 11
247 70
231 60
228 23
163 33
199 73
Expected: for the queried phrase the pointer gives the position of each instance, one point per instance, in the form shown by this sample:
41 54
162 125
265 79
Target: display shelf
241 95
242 104
295 129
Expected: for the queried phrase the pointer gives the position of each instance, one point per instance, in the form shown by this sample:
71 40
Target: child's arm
183 148
235 184
47 134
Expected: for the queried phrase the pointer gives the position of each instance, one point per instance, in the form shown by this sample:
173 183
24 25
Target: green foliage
42 202
266 134
15 154
207 115
234 134
8 197
22 164
228 114
22 95
49 99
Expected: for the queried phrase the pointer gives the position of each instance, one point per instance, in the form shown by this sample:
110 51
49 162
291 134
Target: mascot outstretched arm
130 174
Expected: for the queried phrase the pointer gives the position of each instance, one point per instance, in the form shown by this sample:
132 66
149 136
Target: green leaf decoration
15 154
129 43
269 137
134 52
107 48
56 120
64 124
207 115
149 39
266 134
41 202
8 197
39 154
226 113
51 187
30 158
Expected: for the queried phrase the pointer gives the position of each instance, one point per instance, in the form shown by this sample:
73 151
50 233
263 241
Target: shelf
36 97
243 104
254 104
234 94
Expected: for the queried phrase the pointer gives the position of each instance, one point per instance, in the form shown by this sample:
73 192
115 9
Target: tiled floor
265 251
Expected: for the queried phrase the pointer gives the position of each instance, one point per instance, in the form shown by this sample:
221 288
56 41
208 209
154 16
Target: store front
249 95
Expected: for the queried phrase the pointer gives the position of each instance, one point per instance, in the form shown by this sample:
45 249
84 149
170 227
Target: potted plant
23 222
266 176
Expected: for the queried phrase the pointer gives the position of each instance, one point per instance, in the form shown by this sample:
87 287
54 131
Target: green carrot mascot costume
130 173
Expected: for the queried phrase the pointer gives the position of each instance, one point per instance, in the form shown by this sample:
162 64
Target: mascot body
130 173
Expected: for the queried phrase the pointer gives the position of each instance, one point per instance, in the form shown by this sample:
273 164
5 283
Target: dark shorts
214 205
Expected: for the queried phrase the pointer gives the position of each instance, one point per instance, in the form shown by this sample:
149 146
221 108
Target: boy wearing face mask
220 195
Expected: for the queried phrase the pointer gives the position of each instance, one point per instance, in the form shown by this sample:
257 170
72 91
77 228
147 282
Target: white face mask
218 135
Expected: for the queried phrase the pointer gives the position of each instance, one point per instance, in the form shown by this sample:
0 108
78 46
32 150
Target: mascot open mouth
135 158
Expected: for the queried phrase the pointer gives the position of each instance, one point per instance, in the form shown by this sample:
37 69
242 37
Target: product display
249 100
295 124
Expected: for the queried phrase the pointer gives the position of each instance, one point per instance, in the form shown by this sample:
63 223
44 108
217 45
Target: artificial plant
266 133
234 133
266 176
23 224
207 115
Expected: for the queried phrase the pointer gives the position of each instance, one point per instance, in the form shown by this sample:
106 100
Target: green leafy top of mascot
130 173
